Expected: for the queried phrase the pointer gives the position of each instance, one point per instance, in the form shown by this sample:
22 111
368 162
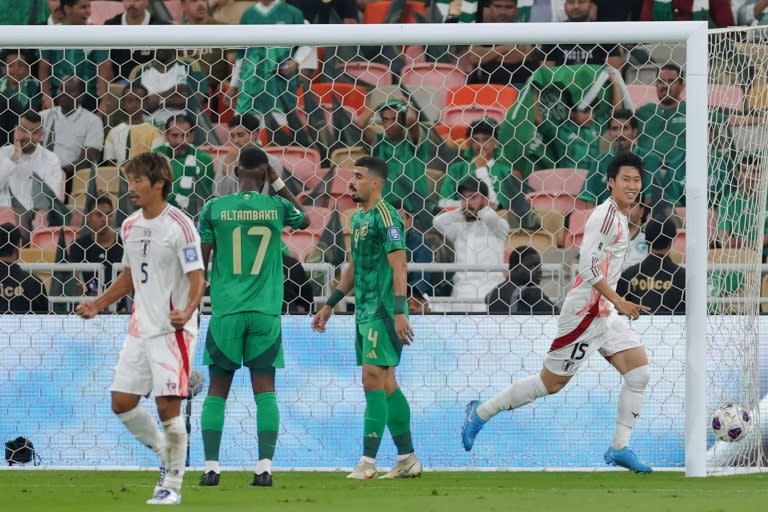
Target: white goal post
692 34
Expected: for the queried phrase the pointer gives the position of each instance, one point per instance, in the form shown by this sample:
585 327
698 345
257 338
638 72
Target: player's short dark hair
32 116
252 158
375 165
473 185
155 166
660 234
523 253
671 66
179 118
10 238
628 159
626 115
482 126
248 121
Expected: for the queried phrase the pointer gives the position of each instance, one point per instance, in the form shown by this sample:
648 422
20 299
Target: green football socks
212 423
399 422
267 423
375 421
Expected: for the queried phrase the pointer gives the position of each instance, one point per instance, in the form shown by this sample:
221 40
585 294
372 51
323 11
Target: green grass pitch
102 491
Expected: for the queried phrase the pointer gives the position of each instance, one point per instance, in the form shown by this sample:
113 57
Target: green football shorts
253 339
376 343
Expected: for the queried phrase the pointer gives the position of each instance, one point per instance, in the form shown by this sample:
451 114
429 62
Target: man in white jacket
478 235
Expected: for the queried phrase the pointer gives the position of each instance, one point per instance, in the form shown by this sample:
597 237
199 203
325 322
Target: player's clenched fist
320 319
87 309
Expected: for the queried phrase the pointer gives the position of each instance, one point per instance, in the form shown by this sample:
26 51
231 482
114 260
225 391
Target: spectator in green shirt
622 134
482 159
23 12
662 125
22 90
398 138
193 172
575 143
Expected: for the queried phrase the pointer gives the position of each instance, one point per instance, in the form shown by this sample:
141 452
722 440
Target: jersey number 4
237 248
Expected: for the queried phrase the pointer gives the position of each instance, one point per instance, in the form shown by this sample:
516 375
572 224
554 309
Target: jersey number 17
237 248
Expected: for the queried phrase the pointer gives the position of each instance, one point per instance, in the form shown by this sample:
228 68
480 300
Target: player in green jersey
379 275
243 232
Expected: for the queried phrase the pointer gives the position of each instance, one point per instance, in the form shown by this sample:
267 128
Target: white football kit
588 321
159 252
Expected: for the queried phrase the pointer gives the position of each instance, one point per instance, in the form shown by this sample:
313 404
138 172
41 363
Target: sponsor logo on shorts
190 254
394 234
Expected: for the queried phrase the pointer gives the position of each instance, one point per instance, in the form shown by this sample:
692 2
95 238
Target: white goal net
497 147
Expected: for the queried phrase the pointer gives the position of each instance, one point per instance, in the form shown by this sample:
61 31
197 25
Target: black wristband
334 298
400 304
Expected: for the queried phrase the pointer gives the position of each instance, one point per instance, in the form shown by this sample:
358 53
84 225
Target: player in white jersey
589 321
164 269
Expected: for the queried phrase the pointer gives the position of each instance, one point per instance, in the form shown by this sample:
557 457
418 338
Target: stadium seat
729 97
175 10
433 74
340 197
640 94
458 117
37 255
346 157
48 237
557 189
575 231
8 215
318 219
349 95
102 10
300 243
303 163
540 241
376 12
495 95
370 72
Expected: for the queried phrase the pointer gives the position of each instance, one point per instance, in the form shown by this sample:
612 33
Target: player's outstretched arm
119 288
624 307
346 282
399 266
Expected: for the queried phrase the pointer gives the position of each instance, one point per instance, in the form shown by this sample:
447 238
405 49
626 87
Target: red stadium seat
48 237
495 95
101 11
300 243
303 163
372 73
557 189
575 231
376 12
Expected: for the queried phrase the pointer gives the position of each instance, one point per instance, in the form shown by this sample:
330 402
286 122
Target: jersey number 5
237 248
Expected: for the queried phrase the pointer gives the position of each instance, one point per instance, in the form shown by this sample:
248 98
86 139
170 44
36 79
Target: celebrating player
243 231
378 272
589 321
164 269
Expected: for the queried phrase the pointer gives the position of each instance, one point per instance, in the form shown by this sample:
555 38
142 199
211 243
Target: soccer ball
730 423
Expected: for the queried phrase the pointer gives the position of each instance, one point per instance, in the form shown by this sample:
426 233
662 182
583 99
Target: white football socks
142 425
631 400
176 438
519 393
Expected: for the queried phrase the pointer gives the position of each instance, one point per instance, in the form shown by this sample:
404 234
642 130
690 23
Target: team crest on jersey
144 248
364 231
394 234
567 365
190 254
